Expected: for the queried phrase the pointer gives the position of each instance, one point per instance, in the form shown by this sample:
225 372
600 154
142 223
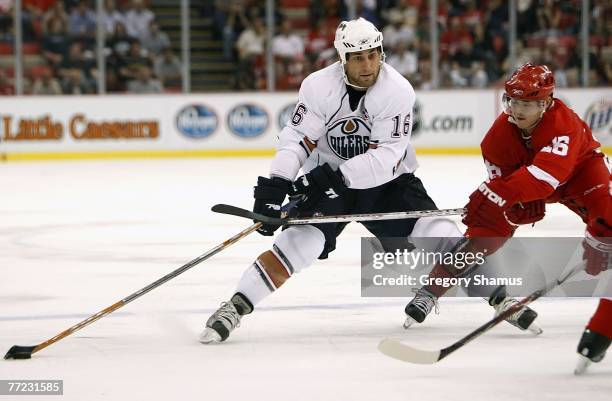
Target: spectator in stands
598 71
56 12
143 83
288 50
287 45
74 83
235 23
450 39
77 63
404 59
472 16
119 42
112 16
36 7
601 15
527 17
133 61
319 39
71 4
464 56
46 84
55 42
6 86
497 18
138 20
250 46
455 76
168 68
397 31
425 81
222 10
156 40
363 8
117 48
113 84
403 11
6 21
478 75
82 24
31 13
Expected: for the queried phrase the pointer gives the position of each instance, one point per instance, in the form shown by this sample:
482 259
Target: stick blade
405 353
247 214
19 352
229 209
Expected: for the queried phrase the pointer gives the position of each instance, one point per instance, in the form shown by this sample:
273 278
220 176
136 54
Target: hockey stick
395 349
247 214
25 352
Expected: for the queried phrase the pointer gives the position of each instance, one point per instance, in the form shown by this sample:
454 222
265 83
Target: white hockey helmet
357 35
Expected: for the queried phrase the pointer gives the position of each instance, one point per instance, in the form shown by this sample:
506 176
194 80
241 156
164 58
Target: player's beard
363 83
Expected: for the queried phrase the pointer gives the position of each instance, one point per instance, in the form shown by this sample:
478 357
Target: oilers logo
196 121
348 137
247 120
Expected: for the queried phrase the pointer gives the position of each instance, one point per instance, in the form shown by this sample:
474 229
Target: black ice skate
592 348
420 306
225 319
523 318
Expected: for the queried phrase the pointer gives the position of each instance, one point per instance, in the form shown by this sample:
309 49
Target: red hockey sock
439 271
601 322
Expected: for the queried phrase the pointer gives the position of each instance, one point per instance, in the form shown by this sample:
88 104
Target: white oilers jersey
370 145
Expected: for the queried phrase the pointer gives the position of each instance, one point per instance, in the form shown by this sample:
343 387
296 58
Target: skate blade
535 330
582 365
209 336
409 322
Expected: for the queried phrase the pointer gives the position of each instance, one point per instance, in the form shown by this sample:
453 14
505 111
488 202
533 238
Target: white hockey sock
294 249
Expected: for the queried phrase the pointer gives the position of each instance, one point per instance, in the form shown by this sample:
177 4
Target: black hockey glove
269 195
319 184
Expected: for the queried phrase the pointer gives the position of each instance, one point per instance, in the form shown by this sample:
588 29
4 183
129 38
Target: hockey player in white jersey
350 135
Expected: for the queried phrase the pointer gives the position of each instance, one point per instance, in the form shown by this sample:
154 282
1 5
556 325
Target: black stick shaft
515 308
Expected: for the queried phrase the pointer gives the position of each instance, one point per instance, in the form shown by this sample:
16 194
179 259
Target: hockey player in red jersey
597 336
537 151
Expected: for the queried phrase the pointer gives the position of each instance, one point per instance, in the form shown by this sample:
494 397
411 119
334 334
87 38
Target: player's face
362 68
526 113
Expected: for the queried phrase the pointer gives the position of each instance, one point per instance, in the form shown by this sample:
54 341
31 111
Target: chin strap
346 81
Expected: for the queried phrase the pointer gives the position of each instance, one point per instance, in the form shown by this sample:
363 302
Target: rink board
240 124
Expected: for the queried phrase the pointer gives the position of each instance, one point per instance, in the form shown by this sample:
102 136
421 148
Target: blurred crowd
473 42
138 55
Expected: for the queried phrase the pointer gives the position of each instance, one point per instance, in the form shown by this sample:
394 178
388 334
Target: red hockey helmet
531 82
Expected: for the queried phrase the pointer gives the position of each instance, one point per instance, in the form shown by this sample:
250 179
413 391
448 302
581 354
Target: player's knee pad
441 228
294 249
299 246
436 227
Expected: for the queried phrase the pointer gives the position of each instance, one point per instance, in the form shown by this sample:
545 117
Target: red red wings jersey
536 167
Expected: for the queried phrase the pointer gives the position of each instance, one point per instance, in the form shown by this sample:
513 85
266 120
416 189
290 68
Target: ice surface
76 237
